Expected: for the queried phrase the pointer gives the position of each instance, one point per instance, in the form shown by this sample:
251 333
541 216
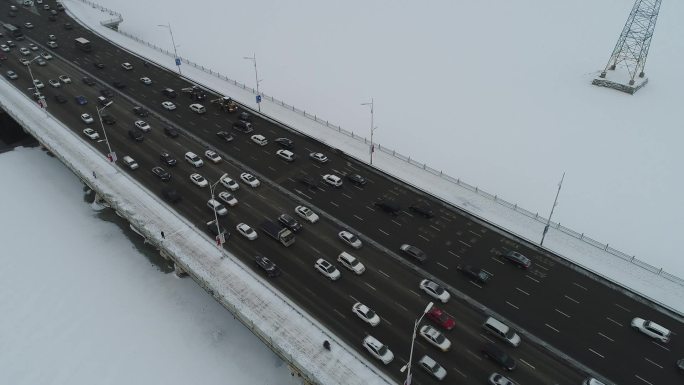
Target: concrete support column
180 273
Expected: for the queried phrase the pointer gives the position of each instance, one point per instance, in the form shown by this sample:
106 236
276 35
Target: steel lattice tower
632 48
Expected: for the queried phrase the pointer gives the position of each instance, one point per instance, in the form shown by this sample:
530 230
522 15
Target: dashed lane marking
660 366
369 285
444 267
422 236
542 267
606 337
474 355
465 244
369 208
301 193
498 260
386 321
393 192
334 204
271 168
623 308
396 223
566 315
571 299
347 196
476 284
647 382
613 321
522 291
580 286
513 306
383 273
454 254
341 315
402 306
358 217
315 249
657 344
552 328
474 233
382 231
597 353
460 372
417 295
532 278
526 363
436 228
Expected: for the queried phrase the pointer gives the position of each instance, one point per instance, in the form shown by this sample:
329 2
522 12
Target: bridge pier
180 273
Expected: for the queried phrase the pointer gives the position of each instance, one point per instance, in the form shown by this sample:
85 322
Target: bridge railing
457 181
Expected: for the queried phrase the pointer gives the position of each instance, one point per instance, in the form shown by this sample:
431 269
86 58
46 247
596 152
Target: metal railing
457 181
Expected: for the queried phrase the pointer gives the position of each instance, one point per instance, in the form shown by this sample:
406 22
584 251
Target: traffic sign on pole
178 61
258 98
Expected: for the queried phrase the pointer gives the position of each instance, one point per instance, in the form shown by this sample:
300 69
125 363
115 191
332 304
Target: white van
193 159
502 331
286 154
130 162
350 262
216 205
198 108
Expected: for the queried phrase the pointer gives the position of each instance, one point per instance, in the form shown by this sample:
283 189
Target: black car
476 274
136 135
225 135
500 357
171 195
680 365
517 259
308 181
422 210
88 81
284 142
60 99
388 207
98 65
167 159
245 116
107 93
414 252
52 18
357 179
266 265
108 119
68 26
214 230
119 85
161 173
140 111
171 132
169 93
289 222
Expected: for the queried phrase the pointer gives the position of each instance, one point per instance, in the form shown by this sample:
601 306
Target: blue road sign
178 61
258 98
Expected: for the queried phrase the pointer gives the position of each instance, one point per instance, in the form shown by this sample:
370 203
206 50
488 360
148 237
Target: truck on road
277 232
83 44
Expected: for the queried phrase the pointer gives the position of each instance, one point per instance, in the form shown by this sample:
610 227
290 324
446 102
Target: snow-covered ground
496 93
81 305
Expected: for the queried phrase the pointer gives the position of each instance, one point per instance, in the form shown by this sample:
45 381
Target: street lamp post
35 88
407 367
218 228
256 78
111 156
175 53
555 202
372 128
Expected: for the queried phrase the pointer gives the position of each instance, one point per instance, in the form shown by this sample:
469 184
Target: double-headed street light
175 53
111 155
42 104
256 77
407 367
372 128
219 240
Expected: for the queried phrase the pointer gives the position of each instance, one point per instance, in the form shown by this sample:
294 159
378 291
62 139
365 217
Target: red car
2 56
441 318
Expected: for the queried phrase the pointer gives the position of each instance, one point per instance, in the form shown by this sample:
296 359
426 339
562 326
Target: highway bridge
573 323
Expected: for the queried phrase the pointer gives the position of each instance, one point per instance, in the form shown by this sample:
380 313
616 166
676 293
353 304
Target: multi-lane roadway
567 309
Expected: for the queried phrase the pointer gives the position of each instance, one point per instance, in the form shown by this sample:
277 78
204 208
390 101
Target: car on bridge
127 66
318 157
225 135
434 290
198 180
267 265
228 198
332 180
250 179
366 314
474 273
378 350
167 158
357 179
246 231
65 79
651 329
350 239
212 156
229 183
431 366
12 75
415 253
518 259
86 118
435 338
81 100
286 155
327 269
499 357
259 139
306 214
285 142
193 159
288 221
168 105
88 81
145 80
162 174
441 318
136 135
90 133
498 379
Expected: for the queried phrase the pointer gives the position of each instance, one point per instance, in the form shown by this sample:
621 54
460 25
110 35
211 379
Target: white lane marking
315 249
566 315
334 204
291 180
571 299
192 123
358 217
498 260
532 278
606 337
217 125
346 195
552 328
397 223
421 235
407 213
271 168
476 284
474 233
540 266
657 344
637 376
380 230
467 245
460 372
522 291
369 208
402 306
454 254
301 193
383 273
653 363
613 321
623 308
393 192
578 285
337 311
597 353
367 284
526 363
474 355
436 228
317 166
352 297
445 268
417 295
386 321
358 188
513 306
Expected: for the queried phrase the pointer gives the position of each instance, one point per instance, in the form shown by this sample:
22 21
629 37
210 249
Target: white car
306 214
332 180
350 239
246 231
168 105
86 118
378 350
65 79
435 338
24 51
142 126
52 37
228 198
51 44
198 180
327 269
46 56
24 61
318 157
127 66
351 263
651 329
286 155
38 83
147 81
54 83
250 179
366 314
90 133
217 207
434 290
497 379
588 381
193 159
34 47
212 156
259 139
229 183
431 366
4 48
28 25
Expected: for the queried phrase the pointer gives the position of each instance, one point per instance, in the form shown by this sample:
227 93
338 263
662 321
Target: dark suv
171 132
388 207
169 93
500 357
422 210
289 222
357 179
136 135
167 159
518 259
108 119
141 112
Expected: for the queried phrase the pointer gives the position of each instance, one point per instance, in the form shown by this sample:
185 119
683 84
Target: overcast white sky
495 93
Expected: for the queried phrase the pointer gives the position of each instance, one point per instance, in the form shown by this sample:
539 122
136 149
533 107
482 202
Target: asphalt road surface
562 305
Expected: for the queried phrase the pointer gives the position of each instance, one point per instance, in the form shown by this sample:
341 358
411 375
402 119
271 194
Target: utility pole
256 78
372 128
555 202
175 53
